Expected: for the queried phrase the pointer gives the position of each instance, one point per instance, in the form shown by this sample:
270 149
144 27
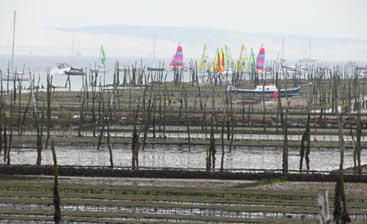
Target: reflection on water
181 157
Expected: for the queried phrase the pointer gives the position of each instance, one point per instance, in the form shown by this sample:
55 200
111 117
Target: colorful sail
217 65
177 60
228 58
223 60
218 62
241 64
102 56
260 61
204 62
252 62
213 65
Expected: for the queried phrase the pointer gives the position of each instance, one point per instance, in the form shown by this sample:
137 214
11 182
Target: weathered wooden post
166 95
306 137
10 136
93 102
101 117
82 100
147 115
154 114
48 92
109 119
222 132
264 109
341 215
284 121
210 155
135 142
232 125
38 123
56 197
186 115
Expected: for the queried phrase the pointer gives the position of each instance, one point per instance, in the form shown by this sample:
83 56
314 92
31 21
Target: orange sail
219 66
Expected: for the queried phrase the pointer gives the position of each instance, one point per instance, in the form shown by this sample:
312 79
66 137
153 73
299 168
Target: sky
335 18
311 18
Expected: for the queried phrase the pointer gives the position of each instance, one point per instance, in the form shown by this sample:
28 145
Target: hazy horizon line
78 29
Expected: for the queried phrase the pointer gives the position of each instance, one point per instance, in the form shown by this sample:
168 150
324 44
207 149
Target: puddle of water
180 157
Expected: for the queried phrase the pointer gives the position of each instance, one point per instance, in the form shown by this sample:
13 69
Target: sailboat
65 68
101 61
177 59
228 61
217 66
204 61
241 64
252 62
282 61
307 59
154 68
177 64
223 63
260 60
60 69
203 65
13 73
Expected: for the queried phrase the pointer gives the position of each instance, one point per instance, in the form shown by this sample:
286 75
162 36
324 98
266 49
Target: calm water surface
175 156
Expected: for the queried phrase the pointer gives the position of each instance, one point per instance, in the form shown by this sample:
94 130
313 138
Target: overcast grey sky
334 18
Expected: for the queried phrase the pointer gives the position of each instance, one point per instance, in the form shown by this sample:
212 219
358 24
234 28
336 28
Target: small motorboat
60 69
75 72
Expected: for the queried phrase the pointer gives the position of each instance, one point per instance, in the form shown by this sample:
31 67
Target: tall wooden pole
12 48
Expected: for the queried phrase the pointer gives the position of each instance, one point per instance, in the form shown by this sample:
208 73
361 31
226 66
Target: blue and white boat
265 89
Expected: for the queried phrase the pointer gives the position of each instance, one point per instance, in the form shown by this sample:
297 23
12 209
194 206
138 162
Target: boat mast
202 58
282 59
72 49
154 51
309 49
12 48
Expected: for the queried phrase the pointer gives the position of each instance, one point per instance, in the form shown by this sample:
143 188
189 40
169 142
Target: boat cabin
266 88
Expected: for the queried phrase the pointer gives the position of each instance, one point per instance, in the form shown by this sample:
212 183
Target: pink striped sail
177 60
260 61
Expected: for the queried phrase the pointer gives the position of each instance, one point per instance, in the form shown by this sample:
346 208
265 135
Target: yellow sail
213 66
228 61
241 64
204 61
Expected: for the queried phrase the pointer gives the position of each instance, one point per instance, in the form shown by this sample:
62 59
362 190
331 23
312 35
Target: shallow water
181 157
39 65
